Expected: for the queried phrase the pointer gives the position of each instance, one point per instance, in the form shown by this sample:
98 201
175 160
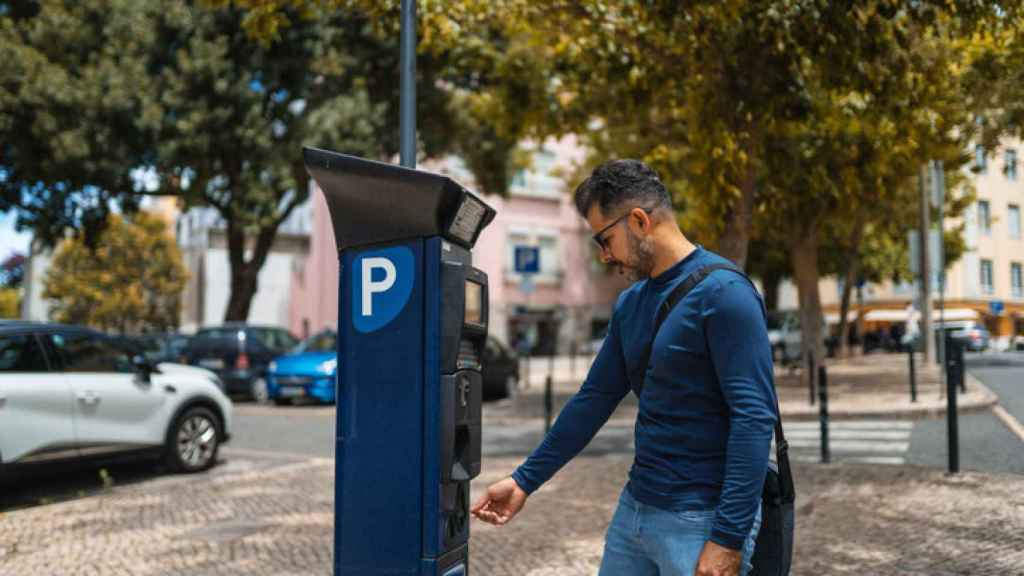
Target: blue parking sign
527 260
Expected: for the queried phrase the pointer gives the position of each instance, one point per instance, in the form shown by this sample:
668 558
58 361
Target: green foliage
12 271
131 282
10 303
95 90
74 110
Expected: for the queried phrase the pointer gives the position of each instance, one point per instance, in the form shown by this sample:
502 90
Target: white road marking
1012 423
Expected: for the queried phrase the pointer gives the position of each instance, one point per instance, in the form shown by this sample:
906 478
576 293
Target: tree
10 303
131 282
74 112
98 90
12 271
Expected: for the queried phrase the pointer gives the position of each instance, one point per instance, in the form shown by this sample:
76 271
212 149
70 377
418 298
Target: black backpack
773 552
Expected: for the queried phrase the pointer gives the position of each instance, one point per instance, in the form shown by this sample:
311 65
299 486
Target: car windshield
322 342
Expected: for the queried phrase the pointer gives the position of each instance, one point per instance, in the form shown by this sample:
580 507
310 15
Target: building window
979 159
984 217
1013 221
1017 280
546 242
550 262
1010 158
987 285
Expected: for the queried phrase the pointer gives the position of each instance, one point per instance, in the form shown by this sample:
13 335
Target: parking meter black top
395 203
412 327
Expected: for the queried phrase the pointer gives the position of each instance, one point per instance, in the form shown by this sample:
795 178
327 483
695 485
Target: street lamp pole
407 102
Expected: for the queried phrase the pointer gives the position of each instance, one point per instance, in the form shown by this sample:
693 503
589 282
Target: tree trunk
244 283
804 252
852 265
245 274
770 286
736 237
849 277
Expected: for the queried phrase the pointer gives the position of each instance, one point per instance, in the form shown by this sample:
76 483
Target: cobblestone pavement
253 516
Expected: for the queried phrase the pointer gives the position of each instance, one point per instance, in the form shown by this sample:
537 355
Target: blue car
308 373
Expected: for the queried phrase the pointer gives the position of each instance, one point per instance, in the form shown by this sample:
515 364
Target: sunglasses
599 238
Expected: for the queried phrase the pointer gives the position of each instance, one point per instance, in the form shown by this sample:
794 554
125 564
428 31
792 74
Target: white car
71 393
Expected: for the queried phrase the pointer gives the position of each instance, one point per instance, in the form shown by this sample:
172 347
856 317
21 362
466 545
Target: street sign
996 307
934 255
526 286
527 260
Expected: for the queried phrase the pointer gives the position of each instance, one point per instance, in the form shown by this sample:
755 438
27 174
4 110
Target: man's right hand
503 500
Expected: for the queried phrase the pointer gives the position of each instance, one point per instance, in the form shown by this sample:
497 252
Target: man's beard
641 260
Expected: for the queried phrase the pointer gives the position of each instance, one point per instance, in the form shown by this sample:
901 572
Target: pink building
571 297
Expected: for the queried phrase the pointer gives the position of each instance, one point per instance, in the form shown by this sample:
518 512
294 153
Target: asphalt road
271 434
986 444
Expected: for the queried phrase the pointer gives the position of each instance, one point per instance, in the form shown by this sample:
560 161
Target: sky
10 240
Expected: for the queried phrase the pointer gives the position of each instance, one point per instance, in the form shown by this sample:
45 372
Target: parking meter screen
474 301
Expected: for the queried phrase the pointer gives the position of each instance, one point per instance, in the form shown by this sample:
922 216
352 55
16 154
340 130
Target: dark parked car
167 347
500 371
239 354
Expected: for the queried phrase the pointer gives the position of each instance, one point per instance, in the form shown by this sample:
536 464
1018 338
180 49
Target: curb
979 398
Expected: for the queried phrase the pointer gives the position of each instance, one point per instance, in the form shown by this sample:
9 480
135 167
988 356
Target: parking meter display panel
460 303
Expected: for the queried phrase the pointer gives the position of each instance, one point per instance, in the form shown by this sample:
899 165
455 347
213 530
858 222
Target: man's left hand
718 560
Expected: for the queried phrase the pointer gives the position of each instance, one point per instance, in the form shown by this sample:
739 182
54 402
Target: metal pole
547 404
810 374
954 371
826 455
572 357
939 188
913 374
407 73
927 346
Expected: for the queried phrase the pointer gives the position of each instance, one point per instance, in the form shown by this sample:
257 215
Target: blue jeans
646 541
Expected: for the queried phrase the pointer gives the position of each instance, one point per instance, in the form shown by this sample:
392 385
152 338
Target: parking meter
412 325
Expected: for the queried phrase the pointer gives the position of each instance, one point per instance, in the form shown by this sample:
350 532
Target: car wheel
193 440
259 390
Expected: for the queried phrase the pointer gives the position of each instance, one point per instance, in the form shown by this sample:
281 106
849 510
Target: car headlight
272 366
328 366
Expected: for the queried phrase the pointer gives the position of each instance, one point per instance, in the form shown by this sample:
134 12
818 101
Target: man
706 400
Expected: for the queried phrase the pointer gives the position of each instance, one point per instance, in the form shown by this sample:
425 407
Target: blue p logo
381 282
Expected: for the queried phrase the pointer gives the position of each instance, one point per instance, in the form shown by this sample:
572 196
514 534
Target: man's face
625 240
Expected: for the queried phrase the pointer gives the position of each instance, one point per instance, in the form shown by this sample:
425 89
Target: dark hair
619 182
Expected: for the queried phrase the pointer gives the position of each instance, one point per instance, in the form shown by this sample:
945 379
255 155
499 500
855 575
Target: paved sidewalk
251 517
872 386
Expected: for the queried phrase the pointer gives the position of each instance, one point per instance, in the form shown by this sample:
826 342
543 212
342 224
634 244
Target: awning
886 316
903 316
833 317
956 314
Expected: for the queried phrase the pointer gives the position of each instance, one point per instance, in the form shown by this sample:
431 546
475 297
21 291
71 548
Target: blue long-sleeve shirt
707 405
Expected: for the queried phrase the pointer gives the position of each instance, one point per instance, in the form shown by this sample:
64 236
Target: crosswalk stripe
851 434
851 425
854 446
814 459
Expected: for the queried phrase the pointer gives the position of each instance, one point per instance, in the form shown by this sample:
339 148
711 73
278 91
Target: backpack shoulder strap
677 294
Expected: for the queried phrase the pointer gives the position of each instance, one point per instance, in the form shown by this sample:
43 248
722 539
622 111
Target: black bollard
913 374
954 374
826 455
547 404
810 375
